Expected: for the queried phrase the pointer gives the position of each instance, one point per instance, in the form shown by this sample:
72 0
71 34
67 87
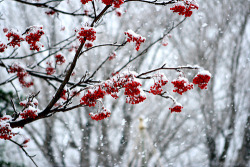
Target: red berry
50 12
86 33
160 80
50 70
91 96
185 7
88 44
115 3
202 79
133 37
2 47
112 55
59 59
176 108
182 85
105 113
15 38
85 1
33 36
29 112
22 75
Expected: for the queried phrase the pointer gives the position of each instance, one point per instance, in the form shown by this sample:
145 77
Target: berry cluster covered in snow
59 59
30 109
100 115
29 112
5 129
86 34
91 95
14 37
2 47
126 80
202 79
134 94
177 107
159 81
185 7
182 85
88 44
22 75
33 35
133 37
49 69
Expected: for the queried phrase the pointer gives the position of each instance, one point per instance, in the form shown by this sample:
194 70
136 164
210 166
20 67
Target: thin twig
166 68
21 146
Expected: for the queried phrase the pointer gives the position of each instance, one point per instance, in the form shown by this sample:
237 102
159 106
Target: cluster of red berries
5 129
105 113
88 44
176 108
64 95
86 33
29 112
115 3
112 55
50 12
185 7
128 81
2 47
202 79
33 36
182 85
14 36
133 37
30 108
59 59
160 80
21 74
111 88
135 99
50 70
91 96
134 94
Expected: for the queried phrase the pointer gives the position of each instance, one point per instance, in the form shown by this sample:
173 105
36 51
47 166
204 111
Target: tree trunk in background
244 152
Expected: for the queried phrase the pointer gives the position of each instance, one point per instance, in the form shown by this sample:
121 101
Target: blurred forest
213 128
